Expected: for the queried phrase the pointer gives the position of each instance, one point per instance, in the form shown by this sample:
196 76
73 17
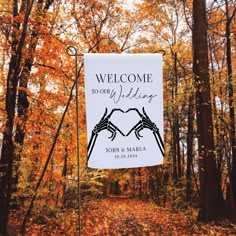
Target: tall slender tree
229 19
7 153
211 199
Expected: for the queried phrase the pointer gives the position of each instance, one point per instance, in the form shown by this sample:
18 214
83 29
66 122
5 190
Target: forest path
119 216
126 217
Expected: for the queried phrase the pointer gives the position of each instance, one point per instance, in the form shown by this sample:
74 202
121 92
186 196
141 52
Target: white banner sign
124 108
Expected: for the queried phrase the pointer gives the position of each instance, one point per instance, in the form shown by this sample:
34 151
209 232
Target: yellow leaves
165 36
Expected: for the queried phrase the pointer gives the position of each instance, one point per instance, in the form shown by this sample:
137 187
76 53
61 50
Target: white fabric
123 81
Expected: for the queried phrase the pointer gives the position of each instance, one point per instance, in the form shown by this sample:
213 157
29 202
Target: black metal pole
72 51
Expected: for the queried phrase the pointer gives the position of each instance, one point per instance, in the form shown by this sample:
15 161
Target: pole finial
72 51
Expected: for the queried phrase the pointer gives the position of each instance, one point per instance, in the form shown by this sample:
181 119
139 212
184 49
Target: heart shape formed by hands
124 120
106 123
125 127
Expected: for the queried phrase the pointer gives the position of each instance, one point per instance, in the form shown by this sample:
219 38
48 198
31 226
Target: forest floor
124 217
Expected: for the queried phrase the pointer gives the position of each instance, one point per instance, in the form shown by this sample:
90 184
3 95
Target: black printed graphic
146 123
106 124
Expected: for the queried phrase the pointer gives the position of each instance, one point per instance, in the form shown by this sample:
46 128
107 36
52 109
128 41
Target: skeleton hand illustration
104 124
146 123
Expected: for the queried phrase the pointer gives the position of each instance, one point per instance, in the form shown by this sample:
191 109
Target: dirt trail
126 217
119 216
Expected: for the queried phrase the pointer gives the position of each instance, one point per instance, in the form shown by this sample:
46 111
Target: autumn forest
41 192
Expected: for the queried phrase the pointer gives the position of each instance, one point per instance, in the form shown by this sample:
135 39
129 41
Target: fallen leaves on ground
128 217
122 217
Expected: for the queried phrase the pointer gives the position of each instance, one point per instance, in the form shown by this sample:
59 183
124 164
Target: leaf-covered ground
124 217
133 217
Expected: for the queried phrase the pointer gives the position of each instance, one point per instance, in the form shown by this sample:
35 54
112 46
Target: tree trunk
64 174
210 194
174 152
22 115
7 153
189 150
231 105
22 98
176 119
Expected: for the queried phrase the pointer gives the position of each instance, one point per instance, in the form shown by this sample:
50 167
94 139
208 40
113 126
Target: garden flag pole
124 110
72 51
